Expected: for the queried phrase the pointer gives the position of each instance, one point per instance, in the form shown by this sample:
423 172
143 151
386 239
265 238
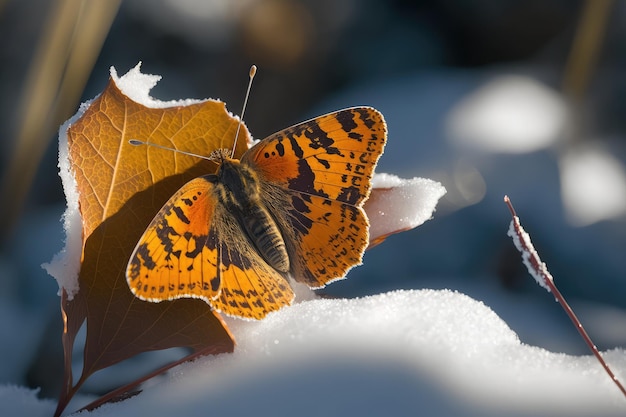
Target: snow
19 401
65 265
417 352
408 203
137 85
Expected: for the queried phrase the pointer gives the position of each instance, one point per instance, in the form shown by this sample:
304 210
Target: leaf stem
130 390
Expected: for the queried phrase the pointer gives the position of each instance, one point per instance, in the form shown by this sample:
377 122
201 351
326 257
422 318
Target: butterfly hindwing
340 238
250 288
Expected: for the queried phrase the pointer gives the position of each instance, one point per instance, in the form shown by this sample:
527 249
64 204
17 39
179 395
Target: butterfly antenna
243 110
137 142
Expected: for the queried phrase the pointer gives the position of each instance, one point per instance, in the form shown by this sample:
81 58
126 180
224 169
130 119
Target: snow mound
401 353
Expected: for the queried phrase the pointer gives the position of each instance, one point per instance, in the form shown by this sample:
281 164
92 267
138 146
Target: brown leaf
109 171
121 188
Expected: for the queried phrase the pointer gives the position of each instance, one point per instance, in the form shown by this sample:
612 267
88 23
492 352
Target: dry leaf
121 188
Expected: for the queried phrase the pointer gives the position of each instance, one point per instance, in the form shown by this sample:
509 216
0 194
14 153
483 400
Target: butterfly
290 208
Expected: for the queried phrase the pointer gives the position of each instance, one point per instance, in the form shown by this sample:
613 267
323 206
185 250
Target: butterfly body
237 188
290 208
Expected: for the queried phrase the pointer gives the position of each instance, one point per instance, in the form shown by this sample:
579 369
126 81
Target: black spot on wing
305 180
298 215
142 256
165 232
297 150
199 243
349 195
181 214
346 120
317 138
211 243
280 148
356 136
323 162
365 116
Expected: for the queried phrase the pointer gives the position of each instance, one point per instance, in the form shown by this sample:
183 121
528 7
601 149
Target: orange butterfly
290 208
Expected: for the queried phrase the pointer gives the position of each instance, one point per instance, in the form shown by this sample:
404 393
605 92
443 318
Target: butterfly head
238 181
220 155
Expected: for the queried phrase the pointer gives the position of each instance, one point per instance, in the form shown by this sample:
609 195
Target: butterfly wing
171 259
194 248
250 288
315 177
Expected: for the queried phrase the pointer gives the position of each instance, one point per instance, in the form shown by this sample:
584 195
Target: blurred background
518 97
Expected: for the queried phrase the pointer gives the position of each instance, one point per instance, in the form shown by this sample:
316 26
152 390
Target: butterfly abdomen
237 188
265 234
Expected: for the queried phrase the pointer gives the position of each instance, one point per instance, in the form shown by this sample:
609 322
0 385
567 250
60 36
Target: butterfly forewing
171 259
332 156
323 167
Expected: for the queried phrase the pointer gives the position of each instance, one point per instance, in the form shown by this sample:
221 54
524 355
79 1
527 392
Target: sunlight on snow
511 114
593 185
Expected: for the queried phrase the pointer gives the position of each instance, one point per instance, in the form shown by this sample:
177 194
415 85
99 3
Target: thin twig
540 272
